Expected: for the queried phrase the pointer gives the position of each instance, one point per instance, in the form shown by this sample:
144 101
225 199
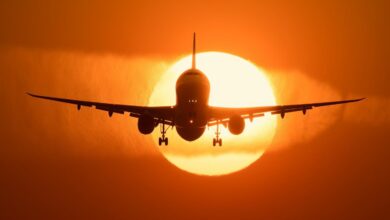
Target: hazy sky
58 163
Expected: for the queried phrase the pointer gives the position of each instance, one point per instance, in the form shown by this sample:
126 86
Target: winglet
194 52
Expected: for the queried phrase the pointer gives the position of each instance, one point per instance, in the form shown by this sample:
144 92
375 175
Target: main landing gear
163 131
217 139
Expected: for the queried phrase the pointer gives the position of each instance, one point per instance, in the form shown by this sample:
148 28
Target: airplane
192 113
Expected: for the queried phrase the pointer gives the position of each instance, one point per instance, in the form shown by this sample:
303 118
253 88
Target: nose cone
192 85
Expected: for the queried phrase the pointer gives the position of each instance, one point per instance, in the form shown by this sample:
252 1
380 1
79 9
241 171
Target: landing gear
162 140
163 131
217 139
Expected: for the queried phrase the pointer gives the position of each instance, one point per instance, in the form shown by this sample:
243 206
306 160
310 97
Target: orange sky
59 163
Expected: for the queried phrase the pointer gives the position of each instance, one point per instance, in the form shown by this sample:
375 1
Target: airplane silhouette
192 114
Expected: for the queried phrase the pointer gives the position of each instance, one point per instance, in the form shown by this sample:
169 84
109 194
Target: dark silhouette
192 114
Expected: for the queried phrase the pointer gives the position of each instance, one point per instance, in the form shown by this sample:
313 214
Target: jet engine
236 124
146 124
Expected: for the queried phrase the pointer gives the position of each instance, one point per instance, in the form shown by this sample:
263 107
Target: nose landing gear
217 139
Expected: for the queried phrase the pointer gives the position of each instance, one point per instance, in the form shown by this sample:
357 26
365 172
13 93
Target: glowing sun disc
234 82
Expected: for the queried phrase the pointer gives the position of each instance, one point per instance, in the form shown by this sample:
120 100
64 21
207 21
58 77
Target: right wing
222 114
160 114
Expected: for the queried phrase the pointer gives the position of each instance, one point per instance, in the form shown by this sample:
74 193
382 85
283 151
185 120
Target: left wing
160 114
222 115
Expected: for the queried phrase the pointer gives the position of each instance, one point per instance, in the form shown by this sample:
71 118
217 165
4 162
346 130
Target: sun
234 82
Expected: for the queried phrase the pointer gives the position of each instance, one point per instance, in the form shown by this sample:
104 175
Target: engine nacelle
146 124
236 124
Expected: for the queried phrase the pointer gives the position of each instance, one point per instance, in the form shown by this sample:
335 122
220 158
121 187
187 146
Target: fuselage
192 97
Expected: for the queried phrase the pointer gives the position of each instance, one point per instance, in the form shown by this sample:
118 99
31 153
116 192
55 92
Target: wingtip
32 95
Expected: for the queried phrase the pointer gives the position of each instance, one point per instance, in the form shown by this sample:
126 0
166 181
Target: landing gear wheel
162 140
217 142
217 139
163 131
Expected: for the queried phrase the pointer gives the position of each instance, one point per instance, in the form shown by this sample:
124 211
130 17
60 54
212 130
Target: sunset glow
235 82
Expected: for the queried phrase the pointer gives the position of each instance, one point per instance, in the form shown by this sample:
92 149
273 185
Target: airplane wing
161 114
222 115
